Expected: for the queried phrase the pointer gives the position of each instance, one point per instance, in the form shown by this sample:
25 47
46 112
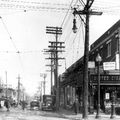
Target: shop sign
91 64
109 65
106 77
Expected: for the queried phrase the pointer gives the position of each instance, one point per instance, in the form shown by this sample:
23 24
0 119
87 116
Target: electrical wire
33 2
14 45
63 22
78 45
21 52
72 44
80 16
66 16
71 29
82 2
8 33
107 7
12 12
67 13
32 7
64 19
36 6
75 38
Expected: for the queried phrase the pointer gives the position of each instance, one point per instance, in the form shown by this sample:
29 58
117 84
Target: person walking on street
76 106
23 104
7 104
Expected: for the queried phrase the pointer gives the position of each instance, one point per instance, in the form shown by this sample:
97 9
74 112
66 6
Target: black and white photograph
59 59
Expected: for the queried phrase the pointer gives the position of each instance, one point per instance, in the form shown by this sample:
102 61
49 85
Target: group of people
7 104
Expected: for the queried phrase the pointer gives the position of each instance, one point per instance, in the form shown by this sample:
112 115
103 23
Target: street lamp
98 60
74 25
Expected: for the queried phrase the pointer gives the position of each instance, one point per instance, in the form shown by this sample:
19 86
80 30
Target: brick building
108 46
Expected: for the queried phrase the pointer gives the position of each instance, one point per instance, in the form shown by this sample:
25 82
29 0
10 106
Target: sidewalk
62 113
71 116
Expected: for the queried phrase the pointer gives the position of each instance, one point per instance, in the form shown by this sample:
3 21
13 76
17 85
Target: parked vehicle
48 102
34 105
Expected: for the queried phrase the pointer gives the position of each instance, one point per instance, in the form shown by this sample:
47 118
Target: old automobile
48 102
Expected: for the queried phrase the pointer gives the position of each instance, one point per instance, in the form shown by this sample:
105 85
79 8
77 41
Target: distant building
8 92
11 93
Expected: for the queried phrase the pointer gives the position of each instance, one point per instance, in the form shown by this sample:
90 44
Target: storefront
109 86
70 88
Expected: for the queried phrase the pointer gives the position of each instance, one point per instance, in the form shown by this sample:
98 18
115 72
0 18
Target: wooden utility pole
51 65
6 85
54 48
18 96
52 70
44 76
87 12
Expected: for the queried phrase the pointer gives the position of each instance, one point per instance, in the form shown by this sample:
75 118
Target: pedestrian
23 104
0 105
76 106
7 104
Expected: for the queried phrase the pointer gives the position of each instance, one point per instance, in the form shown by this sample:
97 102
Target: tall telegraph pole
87 12
44 76
54 49
18 97
6 85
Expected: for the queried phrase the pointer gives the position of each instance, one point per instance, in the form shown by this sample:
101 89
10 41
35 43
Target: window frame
108 48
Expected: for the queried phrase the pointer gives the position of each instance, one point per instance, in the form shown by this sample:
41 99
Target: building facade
108 47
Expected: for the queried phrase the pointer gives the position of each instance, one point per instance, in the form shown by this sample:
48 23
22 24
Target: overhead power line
66 20
106 7
82 2
8 33
14 45
66 13
20 52
34 3
34 7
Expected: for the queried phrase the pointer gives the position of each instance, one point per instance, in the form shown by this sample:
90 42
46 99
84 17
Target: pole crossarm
56 42
84 12
56 46
54 30
50 32
53 50
59 28
52 65
54 58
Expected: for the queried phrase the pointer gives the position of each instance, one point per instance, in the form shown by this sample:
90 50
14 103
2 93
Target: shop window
117 44
107 96
108 48
118 95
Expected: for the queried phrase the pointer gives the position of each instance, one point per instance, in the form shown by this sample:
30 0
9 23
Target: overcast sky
25 31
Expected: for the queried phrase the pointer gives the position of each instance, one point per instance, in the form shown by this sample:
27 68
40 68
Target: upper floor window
117 45
109 48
